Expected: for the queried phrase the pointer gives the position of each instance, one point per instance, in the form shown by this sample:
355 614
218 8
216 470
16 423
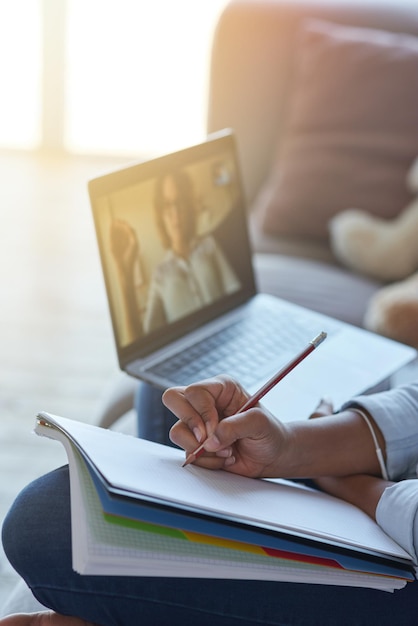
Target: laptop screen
173 244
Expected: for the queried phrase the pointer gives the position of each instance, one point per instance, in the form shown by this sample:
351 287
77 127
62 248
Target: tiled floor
56 346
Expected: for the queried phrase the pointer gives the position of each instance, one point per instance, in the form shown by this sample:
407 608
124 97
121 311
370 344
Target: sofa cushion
305 248
351 130
315 285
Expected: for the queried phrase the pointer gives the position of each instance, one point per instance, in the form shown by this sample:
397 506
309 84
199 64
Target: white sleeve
230 282
397 515
396 413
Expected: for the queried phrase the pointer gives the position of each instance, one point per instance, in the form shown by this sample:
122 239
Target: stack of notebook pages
136 511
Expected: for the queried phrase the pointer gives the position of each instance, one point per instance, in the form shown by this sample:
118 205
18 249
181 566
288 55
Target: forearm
335 445
393 505
396 414
362 490
397 514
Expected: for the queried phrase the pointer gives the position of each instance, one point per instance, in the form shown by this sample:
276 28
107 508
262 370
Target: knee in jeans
32 528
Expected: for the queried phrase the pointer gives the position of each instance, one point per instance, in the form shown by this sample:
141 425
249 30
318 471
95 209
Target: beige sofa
255 47
254 50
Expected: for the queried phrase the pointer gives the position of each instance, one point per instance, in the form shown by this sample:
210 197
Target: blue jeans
154 419
37 541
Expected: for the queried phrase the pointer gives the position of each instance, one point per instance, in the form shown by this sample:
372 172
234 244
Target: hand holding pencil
248 441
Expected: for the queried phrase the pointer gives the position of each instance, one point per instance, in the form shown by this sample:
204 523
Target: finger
251 424
325 407
215 460
194 407
202 405
182 436
226 393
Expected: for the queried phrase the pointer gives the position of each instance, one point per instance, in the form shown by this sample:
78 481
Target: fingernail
197 434
229 461
224 453
212 443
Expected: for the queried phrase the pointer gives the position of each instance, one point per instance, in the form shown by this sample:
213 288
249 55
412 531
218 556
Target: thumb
250 424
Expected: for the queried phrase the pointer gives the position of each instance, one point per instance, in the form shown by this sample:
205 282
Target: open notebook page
103 548
152 469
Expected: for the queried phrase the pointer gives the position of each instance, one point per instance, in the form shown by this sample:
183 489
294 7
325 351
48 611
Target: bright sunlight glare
137 74
20 70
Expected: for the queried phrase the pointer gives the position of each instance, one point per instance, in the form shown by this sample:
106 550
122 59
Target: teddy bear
393 311
386 250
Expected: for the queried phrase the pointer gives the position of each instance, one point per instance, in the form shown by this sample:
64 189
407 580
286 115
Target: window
20 74
105 76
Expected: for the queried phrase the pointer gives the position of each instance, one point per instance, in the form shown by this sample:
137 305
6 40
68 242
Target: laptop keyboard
274 340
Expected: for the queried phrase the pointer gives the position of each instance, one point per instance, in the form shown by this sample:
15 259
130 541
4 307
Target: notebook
177 264
128 519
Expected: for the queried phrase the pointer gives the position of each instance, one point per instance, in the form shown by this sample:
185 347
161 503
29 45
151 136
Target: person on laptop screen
193 272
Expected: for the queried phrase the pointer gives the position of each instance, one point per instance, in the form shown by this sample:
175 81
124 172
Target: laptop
177 265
